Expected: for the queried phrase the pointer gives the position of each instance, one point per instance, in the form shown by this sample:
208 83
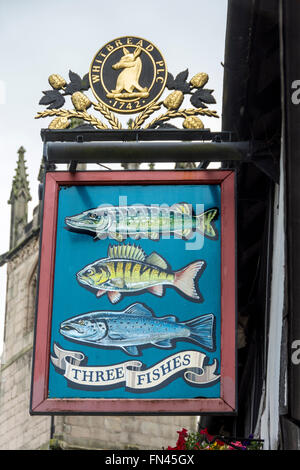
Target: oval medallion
128 74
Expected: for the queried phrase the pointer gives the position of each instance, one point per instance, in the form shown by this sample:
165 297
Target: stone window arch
31 297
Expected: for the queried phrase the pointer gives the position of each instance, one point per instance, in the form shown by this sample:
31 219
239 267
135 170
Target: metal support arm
116 152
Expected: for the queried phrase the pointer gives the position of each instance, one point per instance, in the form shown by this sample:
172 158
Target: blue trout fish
139 221
137 327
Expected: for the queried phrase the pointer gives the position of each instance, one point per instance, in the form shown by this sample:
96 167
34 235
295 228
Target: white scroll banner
133 374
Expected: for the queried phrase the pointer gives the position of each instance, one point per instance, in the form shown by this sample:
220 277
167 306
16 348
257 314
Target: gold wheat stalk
171 114
112 119
141 118
70 114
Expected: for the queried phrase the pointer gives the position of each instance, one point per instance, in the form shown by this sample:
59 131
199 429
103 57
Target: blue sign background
74 251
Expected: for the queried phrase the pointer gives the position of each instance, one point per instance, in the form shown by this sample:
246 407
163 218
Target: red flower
220 443
208 436
180 444
183 433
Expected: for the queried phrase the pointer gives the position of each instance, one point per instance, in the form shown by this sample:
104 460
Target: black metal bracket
118 146
81 134
147 145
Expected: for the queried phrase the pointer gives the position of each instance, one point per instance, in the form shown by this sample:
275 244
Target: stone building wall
118 432
19 430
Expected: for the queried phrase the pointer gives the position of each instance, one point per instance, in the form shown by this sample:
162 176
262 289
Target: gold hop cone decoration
80 101
193 122
199 80
174 100
56 81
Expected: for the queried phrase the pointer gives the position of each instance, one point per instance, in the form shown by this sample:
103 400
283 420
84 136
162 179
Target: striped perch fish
127 269
139 221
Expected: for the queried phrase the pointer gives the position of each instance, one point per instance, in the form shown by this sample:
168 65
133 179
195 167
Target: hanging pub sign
136 296
136 289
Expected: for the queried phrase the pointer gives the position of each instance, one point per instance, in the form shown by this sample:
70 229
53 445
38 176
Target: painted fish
136 327
127 269
139 221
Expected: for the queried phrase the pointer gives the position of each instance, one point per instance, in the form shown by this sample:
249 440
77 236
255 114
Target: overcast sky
38 38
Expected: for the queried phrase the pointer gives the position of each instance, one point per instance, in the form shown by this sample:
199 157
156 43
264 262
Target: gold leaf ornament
64 113
185 113
56 81
59 123
80 101
193 122
174 100
199 80
141 118
111 117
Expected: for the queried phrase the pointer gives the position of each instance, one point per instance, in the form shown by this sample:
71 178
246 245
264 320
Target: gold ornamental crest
128 74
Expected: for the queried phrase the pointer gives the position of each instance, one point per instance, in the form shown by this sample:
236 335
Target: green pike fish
139 221
127 269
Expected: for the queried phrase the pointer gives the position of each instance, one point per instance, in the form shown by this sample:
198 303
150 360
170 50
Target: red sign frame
40 403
